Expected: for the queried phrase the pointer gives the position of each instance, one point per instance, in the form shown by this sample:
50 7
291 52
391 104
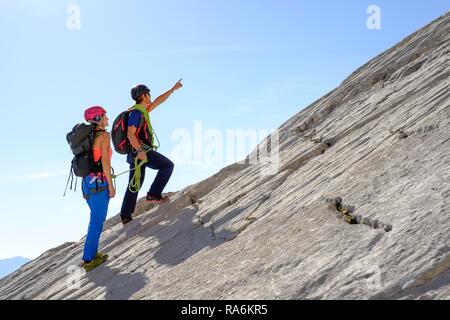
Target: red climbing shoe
156 199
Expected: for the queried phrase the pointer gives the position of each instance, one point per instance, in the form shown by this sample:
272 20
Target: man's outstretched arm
164 96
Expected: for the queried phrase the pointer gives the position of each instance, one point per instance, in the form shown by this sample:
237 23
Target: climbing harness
135 182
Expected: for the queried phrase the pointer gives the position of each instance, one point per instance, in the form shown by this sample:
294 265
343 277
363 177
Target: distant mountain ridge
10 265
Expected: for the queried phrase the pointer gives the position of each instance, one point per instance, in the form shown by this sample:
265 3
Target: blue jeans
156 161
97 195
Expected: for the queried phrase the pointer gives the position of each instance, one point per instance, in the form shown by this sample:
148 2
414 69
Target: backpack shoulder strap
142 121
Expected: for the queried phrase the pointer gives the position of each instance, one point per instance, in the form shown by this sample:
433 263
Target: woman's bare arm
105 145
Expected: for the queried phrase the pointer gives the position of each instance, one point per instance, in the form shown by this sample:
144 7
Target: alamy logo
220 147
73 281
374 20
74 18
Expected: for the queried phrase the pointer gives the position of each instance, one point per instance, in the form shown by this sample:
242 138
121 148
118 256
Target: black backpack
119 133
81 140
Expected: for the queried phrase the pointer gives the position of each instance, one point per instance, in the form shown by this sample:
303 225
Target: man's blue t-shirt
134 118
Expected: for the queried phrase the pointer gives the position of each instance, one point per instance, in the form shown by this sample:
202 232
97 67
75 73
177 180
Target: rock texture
359 209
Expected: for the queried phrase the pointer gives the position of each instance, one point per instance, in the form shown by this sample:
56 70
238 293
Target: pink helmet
94 113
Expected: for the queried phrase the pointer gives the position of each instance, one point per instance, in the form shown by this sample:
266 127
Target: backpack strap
68 179
142 121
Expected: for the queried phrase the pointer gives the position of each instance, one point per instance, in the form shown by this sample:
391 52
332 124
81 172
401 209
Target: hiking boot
100 255
156 199
98 260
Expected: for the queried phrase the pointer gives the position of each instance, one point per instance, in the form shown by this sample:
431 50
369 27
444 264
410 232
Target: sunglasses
98 118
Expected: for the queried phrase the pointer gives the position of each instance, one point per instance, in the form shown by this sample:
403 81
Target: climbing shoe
100 255
98 260
156 199
350 219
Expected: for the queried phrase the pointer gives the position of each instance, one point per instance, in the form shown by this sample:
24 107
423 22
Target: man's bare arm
160 100
164 96
131 135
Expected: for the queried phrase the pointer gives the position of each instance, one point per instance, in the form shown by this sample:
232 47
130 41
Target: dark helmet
139 90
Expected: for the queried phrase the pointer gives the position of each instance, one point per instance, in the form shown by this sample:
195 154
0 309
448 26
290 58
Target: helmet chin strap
99 124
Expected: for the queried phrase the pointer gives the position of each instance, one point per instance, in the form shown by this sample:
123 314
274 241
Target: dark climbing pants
97 195
156 161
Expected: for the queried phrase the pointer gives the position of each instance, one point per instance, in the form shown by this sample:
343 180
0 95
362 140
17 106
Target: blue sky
244 64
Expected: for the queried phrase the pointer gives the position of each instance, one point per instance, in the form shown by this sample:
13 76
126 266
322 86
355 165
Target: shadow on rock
183 238
118 286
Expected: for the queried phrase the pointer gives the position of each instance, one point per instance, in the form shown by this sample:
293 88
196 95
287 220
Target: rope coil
135 182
